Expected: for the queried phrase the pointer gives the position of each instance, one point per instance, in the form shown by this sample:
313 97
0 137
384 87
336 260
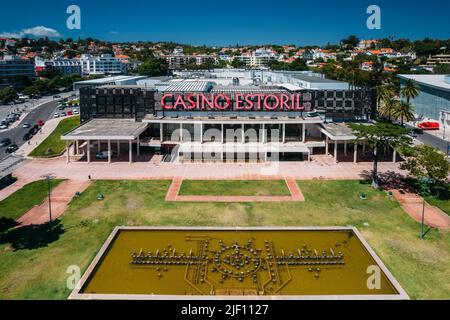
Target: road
16 134
432 140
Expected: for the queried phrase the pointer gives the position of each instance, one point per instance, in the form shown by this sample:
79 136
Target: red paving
412 204
296 194
60 199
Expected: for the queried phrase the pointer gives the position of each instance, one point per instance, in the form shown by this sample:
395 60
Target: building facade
105 64
12 67
434 96
200 120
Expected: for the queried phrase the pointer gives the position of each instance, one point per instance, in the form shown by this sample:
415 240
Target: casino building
221 115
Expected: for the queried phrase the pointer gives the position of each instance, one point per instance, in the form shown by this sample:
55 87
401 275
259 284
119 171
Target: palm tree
384 92
388 108
403 111
410 90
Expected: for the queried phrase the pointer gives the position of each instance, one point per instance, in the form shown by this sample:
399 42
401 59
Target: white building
104 64
63 66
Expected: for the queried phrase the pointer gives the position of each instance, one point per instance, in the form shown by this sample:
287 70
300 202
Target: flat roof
432 80
338 131
247 89
110 79
314 79
104 129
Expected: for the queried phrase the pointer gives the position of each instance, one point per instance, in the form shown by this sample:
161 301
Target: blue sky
229 22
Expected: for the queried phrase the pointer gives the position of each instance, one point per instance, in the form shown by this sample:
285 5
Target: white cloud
113 32
42 31
38 31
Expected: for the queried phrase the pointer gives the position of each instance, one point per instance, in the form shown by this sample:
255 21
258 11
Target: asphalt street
432 140
16 134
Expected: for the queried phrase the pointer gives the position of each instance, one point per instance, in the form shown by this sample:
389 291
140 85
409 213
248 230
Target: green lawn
421 266
234 188
54 141
444 205
24 199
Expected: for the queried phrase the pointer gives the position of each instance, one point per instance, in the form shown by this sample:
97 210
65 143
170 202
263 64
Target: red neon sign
238 101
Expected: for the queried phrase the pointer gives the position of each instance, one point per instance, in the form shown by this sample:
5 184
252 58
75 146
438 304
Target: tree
427 162
8 94
236 63
403 111
350 42
410 90
388 108
442 69
384 93
154 67
378 136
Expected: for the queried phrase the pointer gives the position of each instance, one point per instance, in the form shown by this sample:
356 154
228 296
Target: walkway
174 189
60 199
412 204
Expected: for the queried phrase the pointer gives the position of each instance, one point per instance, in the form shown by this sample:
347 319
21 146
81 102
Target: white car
75 111
56 115
26 125
102 155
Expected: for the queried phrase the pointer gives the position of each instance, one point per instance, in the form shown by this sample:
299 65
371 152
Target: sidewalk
60 199
37 139
412 204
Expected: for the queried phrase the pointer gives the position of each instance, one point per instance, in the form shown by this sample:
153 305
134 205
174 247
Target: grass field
444 205
23 200
53 141
421 266
234 188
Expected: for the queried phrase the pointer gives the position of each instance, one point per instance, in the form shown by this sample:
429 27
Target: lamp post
49 177
424 185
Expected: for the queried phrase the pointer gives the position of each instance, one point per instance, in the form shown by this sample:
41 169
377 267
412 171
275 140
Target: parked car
63 114
56 115
40 122
3 126
34 130
103 155
12 148
5 142
26 125
69 113
429 125
27 137
75 111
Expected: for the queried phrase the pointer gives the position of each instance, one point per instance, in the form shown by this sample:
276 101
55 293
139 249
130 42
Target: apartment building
103 64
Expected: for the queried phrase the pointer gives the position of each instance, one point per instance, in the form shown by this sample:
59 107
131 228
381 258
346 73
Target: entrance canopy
338 131
107 129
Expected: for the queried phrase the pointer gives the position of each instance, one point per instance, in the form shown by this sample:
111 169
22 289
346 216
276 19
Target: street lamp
424 186
49 177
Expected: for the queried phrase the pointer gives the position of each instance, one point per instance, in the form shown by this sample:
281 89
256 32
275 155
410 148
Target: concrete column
335 151
394 157
264 134
222 128
327 142
201 132
161 132
284 132
88 148
304 132
345 147
312 150
77 148
355 154
243 133
138 146
130 153
68 151
99 146
309 156
109 151
181 132
118 148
